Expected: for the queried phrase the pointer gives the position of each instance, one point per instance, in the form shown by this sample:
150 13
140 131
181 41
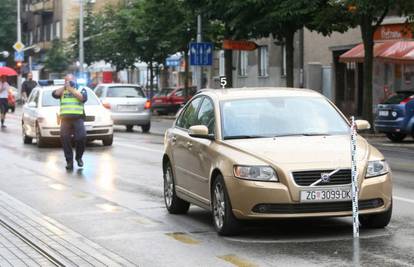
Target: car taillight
408 99
106 105
147 104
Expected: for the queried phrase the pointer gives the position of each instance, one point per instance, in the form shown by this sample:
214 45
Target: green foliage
7 26
57 59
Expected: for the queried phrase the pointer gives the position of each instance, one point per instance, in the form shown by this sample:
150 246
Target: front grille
89 118
316 207
306 178
97 132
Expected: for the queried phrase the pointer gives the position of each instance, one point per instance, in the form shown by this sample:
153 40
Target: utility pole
19 39
81 51
199 72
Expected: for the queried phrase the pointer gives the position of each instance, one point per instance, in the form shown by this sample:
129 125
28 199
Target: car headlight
257 173
377 168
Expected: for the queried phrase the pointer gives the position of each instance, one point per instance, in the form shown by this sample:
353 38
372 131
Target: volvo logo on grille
325 177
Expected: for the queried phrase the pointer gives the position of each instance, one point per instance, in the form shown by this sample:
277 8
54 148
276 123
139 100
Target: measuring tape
354 175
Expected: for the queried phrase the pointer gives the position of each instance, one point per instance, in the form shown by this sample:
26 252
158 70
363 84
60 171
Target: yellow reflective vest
70 105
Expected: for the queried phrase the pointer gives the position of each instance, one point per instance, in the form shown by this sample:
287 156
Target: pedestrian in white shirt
4 105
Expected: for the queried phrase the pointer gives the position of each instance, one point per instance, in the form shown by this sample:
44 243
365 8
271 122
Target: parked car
169 100
395 117
127 103
11 98
41 113
270 153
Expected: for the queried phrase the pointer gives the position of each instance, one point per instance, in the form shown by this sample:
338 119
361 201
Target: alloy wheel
168 187
219 205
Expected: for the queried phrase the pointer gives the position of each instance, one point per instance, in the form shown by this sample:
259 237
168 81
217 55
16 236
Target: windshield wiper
244 137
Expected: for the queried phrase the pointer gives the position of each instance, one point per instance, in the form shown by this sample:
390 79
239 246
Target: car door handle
189 145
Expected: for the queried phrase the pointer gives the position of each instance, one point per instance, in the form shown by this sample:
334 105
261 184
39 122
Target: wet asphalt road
116 201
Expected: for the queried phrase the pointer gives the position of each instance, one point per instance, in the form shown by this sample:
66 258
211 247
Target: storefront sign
393 32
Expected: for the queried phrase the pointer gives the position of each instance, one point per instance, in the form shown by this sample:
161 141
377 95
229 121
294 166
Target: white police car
41 113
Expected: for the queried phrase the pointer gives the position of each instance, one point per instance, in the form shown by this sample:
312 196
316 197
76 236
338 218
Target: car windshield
165 91
49 101
124 91
280 116
398 97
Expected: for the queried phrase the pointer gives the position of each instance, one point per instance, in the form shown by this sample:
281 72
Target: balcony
42 7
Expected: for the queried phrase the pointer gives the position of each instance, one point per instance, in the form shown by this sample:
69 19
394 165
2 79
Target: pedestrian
72 117
28 86
4 94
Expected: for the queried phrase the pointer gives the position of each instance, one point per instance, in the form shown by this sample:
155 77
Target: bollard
354 174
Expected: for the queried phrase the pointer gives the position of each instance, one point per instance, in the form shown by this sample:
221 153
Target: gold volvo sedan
266 153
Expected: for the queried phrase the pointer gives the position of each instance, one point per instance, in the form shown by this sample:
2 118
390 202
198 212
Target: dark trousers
75 128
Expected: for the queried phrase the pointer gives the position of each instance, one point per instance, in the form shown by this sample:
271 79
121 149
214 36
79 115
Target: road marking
59 187
404 199
237 261
184 238
140 148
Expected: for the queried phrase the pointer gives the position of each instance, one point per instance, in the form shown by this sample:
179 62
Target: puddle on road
237 261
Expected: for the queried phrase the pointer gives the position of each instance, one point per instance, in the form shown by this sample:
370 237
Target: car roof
258 92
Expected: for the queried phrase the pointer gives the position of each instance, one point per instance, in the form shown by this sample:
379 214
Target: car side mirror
362 125
32 105
200 131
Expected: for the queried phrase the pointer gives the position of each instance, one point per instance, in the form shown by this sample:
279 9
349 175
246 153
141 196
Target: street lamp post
19 39
81 50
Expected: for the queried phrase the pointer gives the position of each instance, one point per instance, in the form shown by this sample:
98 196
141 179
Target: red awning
399 52
389 51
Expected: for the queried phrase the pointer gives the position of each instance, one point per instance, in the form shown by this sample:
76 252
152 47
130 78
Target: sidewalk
27 237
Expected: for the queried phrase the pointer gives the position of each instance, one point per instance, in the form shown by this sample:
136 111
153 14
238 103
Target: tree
369 15
57 59
8 13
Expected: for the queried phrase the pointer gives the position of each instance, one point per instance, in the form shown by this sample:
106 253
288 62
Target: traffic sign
239 45
18 56
201 54
18 46
172 62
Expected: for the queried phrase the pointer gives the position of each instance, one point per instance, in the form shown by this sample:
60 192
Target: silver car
127 103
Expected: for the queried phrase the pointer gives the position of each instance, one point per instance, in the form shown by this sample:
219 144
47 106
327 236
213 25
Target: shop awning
389 51
399 52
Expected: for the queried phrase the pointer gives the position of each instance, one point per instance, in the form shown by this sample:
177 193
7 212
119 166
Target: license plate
88 127
325 195
127 108
383 113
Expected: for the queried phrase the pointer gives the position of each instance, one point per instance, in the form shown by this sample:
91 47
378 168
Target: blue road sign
172 62
2 63
201 54
18 56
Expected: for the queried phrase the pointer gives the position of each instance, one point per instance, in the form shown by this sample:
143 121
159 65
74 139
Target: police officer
72 120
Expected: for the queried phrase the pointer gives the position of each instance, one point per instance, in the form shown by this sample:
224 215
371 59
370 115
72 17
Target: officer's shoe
80 162
69 165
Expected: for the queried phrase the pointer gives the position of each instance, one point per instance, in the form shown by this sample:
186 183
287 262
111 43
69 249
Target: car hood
304 152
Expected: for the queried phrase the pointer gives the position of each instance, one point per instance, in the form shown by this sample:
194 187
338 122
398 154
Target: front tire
396 137
379 220
174 204
26 139
40 140
108 140
225 222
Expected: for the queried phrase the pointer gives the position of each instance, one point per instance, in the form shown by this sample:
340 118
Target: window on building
283 60
38 36
57 29
263 63
30 37
45 36
222 71
242 63
51 35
